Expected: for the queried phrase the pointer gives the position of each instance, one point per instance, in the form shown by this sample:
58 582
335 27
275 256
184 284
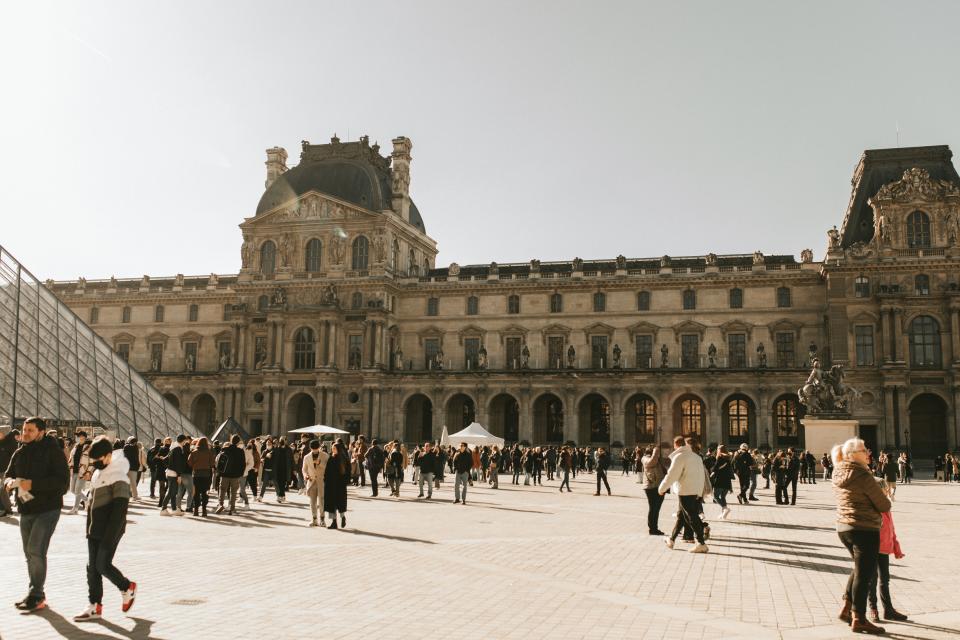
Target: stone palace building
339 315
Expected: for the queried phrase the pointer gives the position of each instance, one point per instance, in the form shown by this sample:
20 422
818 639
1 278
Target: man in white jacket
687 478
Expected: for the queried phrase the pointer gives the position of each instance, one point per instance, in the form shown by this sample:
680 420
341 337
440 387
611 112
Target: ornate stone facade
339 316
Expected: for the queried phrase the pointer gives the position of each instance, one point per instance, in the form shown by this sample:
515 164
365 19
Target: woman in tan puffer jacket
860 501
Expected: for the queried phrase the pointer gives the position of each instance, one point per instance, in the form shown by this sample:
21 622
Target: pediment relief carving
864 317
688 326
309 206
472 331
124 337
643 327
430 332
784 324
736 326
513 330
916 185
157 336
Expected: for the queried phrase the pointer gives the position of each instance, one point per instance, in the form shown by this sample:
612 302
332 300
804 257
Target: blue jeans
36 529
185 487
720 497
170 498
461 480
428 479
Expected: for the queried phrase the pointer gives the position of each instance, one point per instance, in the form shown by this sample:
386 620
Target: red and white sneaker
92 612
128 596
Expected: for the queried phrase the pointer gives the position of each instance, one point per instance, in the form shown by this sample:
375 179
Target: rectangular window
194 313
123 350
737 350
555 352
556 303
125 315
514 345
689 299
471 353
227 309
513 304
785 350
431 346
259 351
598 352
190 356
736 298
473 306
864 340
355 351
690 351
156 357
644 351
94 315
783 297
158 313
433 306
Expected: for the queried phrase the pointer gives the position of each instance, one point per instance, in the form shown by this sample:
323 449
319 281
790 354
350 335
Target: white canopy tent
445 437
474 434
320 429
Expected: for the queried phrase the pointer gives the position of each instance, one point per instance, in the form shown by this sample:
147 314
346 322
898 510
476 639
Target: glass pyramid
55 366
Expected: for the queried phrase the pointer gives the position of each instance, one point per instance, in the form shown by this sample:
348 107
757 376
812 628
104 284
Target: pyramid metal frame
53 365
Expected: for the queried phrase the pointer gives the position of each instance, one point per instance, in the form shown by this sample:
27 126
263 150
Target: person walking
462 464
603 465
336 477
860 505
132 453
231 465
176 464
754 472
267 476
566 464
201 462
314 469
496 459
374 461
395 467
721 476
516 458
428 462
651 473
8 444
39 473
106 524
687 479
743 462
889 469
80 472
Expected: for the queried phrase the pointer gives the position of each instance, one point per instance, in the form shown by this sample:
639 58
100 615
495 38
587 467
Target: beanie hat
314 444
101 446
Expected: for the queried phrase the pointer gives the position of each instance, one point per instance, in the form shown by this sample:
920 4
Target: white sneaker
165 512
178 512
725 513
92 612
699 548
668 542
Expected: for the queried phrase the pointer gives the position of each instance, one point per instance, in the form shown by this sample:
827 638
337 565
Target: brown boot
874 615
861 625
893 614
844 614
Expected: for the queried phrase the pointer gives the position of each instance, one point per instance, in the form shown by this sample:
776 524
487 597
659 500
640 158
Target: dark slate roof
878 167
350 171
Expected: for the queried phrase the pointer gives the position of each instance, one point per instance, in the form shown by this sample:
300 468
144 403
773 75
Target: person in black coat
282 468
743 462
8 444
335 479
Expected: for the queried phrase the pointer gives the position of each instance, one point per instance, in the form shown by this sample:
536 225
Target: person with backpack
374 461
231 467
395 468
106 524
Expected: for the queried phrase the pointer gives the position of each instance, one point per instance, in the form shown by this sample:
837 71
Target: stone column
954 332
281 344
376 422
334 337
332 397
271 343
764 427
571 417
889 438
617 428
526 416
903 414
665 416
954 413
902 347
883 339
713 429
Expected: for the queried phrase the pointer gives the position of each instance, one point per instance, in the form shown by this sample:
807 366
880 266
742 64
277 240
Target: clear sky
134 133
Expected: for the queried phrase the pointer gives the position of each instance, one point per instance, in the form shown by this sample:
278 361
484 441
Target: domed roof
353 179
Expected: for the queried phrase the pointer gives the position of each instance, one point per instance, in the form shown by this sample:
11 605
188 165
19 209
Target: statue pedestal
820 434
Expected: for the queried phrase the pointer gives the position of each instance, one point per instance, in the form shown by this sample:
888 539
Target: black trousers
373 481
782 497
201 485
864 547
744 479
793 486
689 515
654 502
99 566
602 475
883 566
566 479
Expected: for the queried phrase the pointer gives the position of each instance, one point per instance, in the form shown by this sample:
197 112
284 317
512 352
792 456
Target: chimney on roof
276 164
400 176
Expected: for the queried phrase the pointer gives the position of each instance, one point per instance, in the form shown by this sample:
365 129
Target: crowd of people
105 475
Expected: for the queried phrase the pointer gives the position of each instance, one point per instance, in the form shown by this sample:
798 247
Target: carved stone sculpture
178 280
834 236
438 360
279 297
617 354
571 357
761 356
398 360
664 261
379 248
247 250
534 266
213 280
827 393
525 357
577 264
224 361
710 259
329 295
287 250
189 363
712 355
155 364
758 258
482 358
806 256
337 248
664 357
453 269
621 262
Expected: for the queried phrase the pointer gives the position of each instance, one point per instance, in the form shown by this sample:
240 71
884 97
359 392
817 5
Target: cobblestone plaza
519 562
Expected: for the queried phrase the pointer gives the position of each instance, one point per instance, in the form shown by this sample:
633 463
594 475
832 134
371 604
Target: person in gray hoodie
106 524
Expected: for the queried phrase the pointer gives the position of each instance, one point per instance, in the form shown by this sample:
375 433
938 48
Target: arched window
921 285
786 420
314 254
556 303
263 302
783 297
395 255
268 258
513 304
125 315
691 416
645 419
304 349
193 314
361 253
689 299
643 301
356 301
158 313
738 419
861 287
473 306
918 230
925 343
736 298
599 301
